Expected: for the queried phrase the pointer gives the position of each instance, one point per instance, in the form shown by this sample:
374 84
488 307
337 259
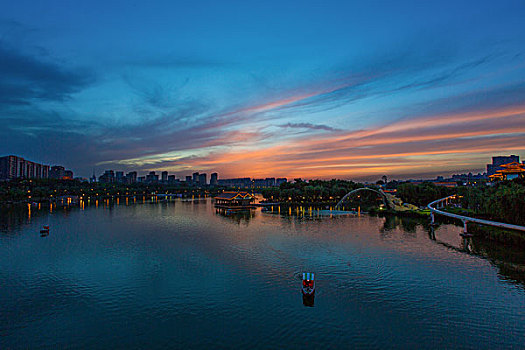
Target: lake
152 274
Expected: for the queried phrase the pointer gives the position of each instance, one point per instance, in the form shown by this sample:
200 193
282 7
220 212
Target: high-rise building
57 172
9 167
202 180
45 171
119 177
164 176
498 161
21 167
131 177
189 180
152 177
195 178
13 167
38 171
213 179
30 170
171 179
107 177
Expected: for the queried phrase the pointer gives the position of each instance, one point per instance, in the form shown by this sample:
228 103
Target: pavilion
510 171
235 200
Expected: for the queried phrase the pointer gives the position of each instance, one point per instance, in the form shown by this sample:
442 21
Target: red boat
308 287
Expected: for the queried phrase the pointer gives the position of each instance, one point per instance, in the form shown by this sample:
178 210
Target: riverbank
405 213
506 237
491 233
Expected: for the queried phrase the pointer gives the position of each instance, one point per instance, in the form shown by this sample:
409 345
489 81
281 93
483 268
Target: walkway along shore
466 219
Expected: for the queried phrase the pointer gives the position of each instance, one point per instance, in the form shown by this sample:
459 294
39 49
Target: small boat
308 287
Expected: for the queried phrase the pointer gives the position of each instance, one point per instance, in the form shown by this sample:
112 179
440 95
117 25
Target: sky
310 89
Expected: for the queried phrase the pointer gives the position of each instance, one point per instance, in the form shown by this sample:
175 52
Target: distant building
152 177
131 177
45 171
468 177
107 177
263 183
498 161
171 179
141 179
57 172
164 177
509 171
280 181
213 179
189 180
195 178
270 182
243 182
202 180
258 183
119 177
9 168
68 175
14 167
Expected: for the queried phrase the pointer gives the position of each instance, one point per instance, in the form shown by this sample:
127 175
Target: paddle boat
308 287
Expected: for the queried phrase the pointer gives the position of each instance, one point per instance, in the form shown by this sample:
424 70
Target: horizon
345 90
406 177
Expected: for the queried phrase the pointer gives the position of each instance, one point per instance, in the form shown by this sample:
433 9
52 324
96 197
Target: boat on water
308 286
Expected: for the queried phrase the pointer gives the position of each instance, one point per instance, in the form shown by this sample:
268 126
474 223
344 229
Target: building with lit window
509 171
14 167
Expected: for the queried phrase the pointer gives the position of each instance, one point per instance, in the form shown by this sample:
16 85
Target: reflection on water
308 300
143 273
237 216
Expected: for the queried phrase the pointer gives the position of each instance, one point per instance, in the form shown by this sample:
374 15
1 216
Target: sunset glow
311 92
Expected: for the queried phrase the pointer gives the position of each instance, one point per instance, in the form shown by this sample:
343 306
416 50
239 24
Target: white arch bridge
380 192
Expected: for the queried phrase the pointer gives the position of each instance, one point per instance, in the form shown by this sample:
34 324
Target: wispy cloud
25 78
308 126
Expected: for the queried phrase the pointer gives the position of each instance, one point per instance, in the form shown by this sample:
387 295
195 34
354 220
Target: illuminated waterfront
177 274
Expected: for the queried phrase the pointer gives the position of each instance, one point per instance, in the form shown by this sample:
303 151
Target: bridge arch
380 192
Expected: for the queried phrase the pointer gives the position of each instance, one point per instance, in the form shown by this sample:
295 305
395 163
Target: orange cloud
436 143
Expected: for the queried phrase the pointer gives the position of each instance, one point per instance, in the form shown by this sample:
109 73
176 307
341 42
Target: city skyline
343 90
12 167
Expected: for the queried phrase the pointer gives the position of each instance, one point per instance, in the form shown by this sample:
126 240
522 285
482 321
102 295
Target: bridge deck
469 219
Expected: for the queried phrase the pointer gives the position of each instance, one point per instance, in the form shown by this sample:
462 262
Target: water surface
178 274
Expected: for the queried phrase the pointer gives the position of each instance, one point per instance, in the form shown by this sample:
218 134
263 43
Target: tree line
313 191
503 201
35 190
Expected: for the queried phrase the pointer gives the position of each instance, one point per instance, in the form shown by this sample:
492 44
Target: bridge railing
467 219
380 192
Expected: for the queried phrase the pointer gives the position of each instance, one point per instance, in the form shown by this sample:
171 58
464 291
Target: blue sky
334 89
